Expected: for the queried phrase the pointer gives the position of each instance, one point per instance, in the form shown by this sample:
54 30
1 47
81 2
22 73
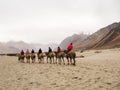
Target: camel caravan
52 57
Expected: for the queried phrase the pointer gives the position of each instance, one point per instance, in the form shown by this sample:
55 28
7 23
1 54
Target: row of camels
52 57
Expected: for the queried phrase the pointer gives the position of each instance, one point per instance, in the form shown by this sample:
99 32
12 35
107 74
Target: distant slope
16 47
7 49
72 39
106 37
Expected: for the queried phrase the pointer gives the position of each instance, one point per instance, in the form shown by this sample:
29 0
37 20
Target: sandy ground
96 71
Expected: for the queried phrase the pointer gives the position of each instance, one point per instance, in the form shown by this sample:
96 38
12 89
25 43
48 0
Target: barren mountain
72 39
108 37
16 47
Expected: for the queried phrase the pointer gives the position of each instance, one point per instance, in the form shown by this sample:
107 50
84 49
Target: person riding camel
28 56
33 55
27 52
40 51
58 50
32 52
22 52
50 50
70 47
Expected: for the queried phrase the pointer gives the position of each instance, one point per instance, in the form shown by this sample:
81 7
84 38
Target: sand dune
98 70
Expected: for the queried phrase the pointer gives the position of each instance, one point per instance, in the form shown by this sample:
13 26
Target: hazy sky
45 21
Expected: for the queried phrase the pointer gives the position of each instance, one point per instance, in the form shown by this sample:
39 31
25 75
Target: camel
60 57
71 55
21 58
28 58
41 57
33 58
50 56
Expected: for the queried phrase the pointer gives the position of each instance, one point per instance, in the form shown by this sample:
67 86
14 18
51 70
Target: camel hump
51 54
60 53
70 52
42 54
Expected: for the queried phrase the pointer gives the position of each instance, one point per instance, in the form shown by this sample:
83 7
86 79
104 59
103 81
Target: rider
50 50
58 50
27 52
70 47
22 52
40 51
32 52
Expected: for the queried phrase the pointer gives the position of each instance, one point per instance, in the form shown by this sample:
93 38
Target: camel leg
71 60
60 61
39 60
53 60
28 60
63 60
68 60
34 60
22 60
50 60
18 59
74 61
56 61
43 59
47 59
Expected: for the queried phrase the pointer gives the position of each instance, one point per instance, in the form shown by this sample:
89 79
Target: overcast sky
46 21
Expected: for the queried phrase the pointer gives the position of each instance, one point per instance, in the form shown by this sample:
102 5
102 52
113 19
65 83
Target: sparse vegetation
11 54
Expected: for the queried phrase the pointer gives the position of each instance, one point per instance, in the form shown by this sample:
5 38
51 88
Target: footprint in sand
41 72
25 88
31 82
53 84
75 78
108 83
36 83
100 86
19 78
59 72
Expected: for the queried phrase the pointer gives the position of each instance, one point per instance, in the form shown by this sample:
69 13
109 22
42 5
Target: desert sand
97 70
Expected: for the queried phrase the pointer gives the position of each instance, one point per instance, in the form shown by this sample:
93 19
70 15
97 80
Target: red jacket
59 50
70 47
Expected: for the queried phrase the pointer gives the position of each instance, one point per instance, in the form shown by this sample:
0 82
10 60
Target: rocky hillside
73 38
107 37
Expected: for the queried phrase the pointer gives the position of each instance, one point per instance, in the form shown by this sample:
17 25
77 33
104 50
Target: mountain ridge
72 39
100 38
17 46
